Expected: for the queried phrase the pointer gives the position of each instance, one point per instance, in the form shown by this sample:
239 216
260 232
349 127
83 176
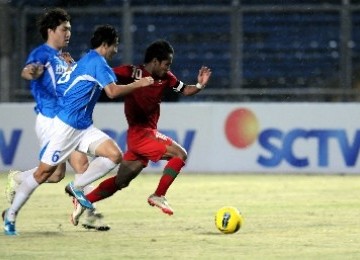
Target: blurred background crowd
258 50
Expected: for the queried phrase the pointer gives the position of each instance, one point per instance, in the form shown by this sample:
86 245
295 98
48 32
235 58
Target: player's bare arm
203 78
113 90
32 71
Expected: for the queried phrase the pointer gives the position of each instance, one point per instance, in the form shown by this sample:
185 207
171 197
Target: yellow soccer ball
228 220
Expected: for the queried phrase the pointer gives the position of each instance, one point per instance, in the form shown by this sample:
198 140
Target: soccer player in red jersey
144 141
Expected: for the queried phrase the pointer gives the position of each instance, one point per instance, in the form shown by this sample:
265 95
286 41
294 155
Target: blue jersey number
66 76
56 156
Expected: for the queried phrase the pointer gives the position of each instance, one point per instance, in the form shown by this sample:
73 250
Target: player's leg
79 162
64 139
24 191
58 174
151 145
108 155
19 176
12 183
127 171
43 127
176 156
93 218
15 178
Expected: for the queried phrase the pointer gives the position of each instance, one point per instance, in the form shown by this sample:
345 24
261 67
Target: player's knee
184 158
114 154
182 155
116 157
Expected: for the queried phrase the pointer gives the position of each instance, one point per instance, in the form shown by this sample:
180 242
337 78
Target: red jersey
142 106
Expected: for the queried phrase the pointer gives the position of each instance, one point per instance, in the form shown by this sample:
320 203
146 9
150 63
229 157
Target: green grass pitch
286 217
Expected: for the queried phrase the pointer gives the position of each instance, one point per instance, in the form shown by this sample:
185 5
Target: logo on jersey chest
60 69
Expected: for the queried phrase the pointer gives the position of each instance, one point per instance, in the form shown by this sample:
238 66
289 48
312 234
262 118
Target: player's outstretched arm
113 90
203 78
32 71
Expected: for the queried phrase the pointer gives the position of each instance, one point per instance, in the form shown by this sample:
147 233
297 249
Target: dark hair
159 49
104 34
50 20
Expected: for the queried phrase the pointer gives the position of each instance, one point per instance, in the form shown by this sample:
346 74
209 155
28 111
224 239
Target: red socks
171 171
108 187
103 190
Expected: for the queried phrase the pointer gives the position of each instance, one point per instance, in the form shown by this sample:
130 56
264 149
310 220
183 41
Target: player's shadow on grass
211 233
42 233
55 233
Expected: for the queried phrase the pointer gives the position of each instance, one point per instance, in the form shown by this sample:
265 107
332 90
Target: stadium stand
290 49
280 49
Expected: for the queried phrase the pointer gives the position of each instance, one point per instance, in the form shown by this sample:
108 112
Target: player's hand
35 70
204 75
143 82
67 57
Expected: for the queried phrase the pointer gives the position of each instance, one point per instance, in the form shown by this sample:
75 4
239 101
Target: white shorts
42 126
64 139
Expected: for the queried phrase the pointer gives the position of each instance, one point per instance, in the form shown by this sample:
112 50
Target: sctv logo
8 146
277 145
9 142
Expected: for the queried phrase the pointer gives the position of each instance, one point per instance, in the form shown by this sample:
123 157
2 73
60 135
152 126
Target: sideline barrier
220 137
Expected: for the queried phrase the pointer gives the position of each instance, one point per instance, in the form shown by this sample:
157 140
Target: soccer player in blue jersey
44 66
72 128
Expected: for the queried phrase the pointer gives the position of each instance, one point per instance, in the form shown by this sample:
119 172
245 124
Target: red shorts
146 144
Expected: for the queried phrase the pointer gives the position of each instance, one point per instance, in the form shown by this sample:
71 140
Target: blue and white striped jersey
79 89
43 89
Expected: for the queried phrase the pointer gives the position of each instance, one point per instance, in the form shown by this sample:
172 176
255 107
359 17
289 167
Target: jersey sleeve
124 74
105 76
37 56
